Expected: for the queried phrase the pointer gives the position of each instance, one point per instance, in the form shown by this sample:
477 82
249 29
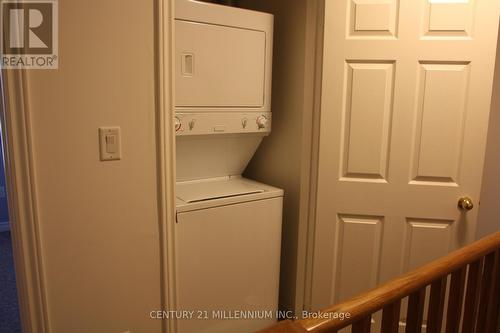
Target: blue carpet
9 308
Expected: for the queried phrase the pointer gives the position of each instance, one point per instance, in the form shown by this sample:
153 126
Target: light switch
109 143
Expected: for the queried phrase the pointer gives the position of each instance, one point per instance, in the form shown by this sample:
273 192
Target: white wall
99 223
283 159
489 211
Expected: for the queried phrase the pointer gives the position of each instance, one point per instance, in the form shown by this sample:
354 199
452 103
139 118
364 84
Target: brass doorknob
465 203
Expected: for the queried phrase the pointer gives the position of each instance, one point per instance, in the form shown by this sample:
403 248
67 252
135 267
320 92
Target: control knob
177 123
261 122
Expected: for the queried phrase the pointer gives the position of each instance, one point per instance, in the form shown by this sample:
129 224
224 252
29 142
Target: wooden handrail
389 295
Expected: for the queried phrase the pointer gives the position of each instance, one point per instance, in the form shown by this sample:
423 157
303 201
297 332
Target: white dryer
228 228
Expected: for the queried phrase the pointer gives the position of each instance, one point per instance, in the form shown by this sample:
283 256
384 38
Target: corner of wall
489 214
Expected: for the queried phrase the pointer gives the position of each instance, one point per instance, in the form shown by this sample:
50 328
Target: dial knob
261 122
177 123
191 124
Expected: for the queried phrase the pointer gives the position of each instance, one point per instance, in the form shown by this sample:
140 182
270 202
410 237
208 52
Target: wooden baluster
436 305
415 312
492 290
390 317
484 294
455 300
363 325
471 297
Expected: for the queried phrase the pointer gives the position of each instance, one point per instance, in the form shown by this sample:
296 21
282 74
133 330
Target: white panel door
405 101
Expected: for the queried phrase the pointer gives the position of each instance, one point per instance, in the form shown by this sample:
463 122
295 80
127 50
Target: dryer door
218 66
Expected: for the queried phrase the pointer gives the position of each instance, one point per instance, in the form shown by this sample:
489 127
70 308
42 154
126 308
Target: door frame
22 200
315 32
165 136
22 185
309 173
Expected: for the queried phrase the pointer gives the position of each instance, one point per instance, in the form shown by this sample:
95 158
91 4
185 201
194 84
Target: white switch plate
110 143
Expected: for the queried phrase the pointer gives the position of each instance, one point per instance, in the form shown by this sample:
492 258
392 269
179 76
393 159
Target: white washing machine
228 238
228 228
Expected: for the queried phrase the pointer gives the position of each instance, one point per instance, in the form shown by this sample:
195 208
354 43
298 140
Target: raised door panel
439 133
373 19
436 234
367 119
358 254
448 19
425 240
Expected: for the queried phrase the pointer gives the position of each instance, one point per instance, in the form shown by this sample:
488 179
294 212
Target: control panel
222 123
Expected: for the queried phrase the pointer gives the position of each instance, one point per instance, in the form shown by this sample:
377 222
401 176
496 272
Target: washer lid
215 189
223 191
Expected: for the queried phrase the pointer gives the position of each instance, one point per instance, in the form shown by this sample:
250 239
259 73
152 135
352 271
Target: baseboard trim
4 226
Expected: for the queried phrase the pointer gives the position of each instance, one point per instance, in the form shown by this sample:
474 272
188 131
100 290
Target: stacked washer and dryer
228 228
